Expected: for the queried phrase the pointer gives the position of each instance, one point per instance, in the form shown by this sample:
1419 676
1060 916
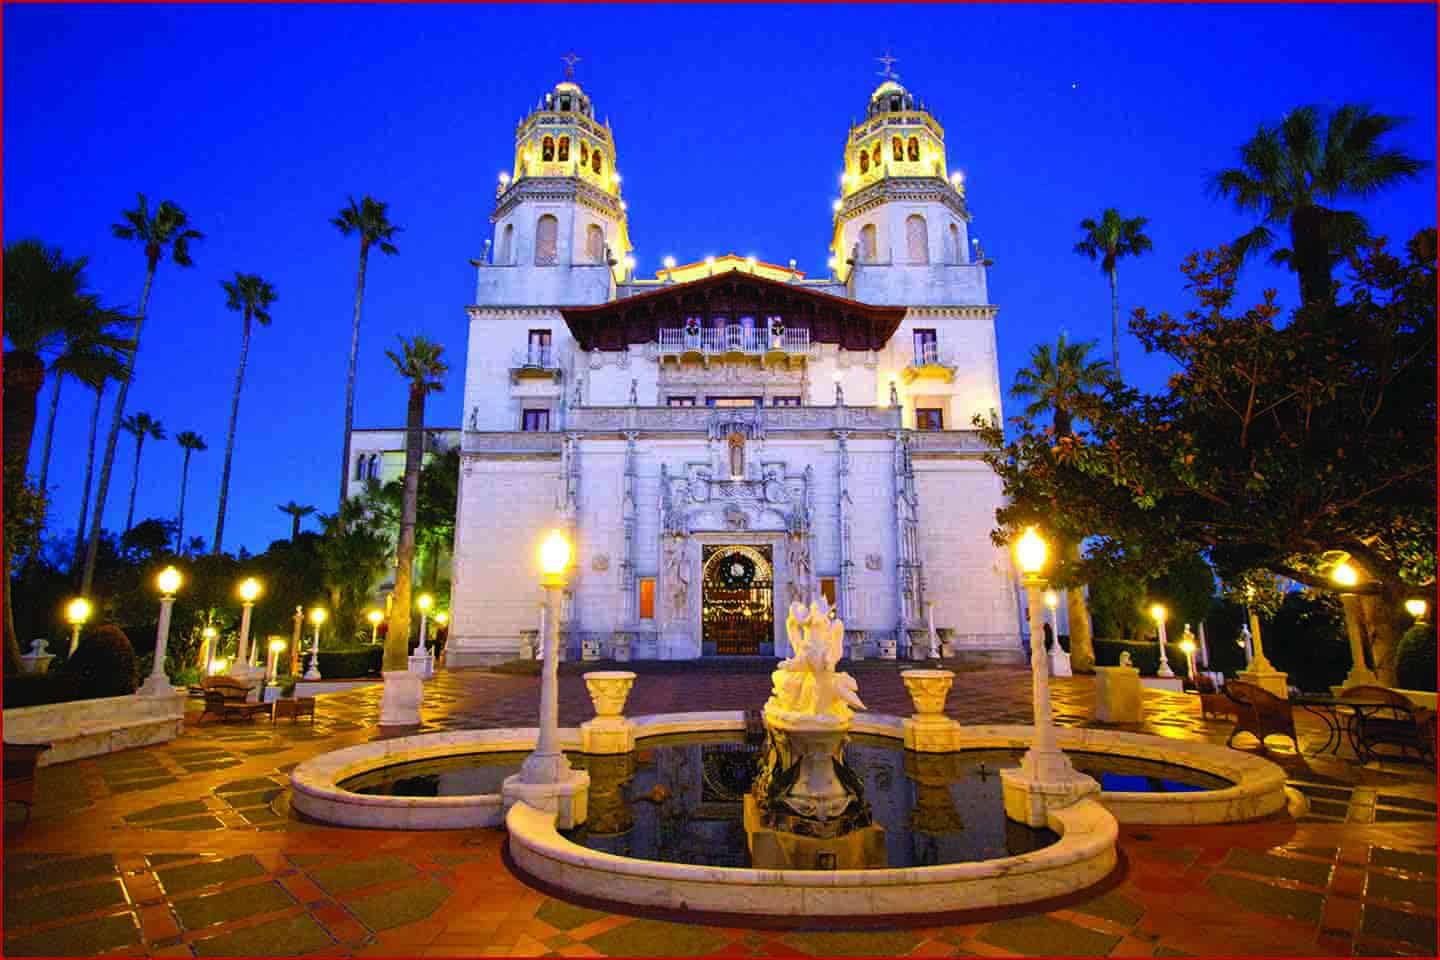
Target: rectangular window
732 401
535 421
827 590
926 348
681 401
647 598
538 351
785 401
929 418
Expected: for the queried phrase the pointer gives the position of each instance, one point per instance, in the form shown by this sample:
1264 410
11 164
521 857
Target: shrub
37 689
104 664
357 662
1144 655
1414 662
287 687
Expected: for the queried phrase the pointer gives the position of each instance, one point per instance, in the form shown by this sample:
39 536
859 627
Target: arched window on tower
957 255
547 150
584 153
564 150
506 254
597 162
897 147
867 243
914 150
875 160
547 232
917 239
595 243
864 161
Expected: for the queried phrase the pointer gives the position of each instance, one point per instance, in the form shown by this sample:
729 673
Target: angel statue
807 683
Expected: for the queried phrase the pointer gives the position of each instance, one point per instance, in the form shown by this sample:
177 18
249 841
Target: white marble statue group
806 685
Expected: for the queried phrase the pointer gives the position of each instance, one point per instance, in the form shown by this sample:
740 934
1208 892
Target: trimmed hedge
347 664
1414 662
38 689
1145 655
104 664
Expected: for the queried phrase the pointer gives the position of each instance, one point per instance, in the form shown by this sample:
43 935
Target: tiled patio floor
179 850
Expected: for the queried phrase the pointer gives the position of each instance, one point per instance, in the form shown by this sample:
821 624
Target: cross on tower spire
889 61
570 60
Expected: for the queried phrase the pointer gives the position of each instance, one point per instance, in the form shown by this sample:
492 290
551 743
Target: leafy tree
296 512
251 296
434 511
141 425
419 363
1292 172
166 231
1108 240
354 553
149 541
1117 602
190 442
370 220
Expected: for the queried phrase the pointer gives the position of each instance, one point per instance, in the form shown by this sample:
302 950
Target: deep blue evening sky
729 123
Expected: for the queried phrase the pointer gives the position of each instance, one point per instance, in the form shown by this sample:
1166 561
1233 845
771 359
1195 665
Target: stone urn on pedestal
929 730
609 732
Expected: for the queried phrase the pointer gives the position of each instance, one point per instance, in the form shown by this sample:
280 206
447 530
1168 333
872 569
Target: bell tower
559 215
901 220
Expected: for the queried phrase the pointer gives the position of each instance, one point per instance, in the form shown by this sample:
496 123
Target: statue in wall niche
577 392
798 558
679 575
894 395
634 393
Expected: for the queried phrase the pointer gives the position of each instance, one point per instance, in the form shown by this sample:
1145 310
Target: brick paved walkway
189 850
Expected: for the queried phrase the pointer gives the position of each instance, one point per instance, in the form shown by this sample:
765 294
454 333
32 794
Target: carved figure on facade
634 393
798 557
679 575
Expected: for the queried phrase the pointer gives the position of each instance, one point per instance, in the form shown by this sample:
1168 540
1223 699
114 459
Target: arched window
864 161
506 254
595 243
547 150
897 148
584 153
917 239
867 243
360 467
876 159
547 232
914 149
374 466
957 255
597 162
564 149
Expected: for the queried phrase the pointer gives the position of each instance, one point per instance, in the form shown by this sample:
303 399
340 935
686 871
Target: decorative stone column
157 684
1360 674
929 730
1262 673
609 732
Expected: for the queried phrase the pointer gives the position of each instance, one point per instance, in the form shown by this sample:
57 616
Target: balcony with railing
534 361
734 338
932 362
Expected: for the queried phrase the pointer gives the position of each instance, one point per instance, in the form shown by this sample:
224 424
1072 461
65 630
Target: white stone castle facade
730 435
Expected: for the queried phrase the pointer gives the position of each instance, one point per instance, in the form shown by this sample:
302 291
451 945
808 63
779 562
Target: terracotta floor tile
1134 947
158 923
1341 914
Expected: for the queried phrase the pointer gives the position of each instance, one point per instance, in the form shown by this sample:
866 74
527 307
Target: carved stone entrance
737 612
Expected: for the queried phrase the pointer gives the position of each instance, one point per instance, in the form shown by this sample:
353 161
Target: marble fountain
824 810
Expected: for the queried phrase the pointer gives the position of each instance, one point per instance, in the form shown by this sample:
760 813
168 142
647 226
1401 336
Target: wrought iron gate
738 608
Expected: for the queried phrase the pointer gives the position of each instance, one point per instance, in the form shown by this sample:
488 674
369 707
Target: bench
1260 713
294 708
1213 702
75 729
20 762
228 699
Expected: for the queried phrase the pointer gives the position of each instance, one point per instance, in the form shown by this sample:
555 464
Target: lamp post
1188 645
249 590
1045 778
157 685
1158 613
1416 608
1052 600
295 641
207 650
441 619
317 617
77 612
277 646
376 618
424 602
1346 578
1059 657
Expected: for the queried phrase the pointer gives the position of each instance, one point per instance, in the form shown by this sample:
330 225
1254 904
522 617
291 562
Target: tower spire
570 59
888 73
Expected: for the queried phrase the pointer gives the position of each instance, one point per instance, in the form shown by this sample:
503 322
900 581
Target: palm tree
251 296
1107 241
296 512
1056 382
419 363
191 443
1291 173
370 221
142 425
168 230
97 377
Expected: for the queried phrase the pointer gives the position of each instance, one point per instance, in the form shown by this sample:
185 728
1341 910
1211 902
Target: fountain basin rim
1258 784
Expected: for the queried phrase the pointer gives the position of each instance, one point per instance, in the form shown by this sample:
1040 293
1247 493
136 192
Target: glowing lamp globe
209 633
1344 575
441 617
1051 599
168 581
425 602
318 615
78 611
1187 645
277 645
249 589
375 616
1158 612
1415 607
1030 551
837 205
218 665
554 554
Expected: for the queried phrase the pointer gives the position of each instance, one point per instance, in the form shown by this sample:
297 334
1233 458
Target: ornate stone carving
608 691
736 518
872 561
